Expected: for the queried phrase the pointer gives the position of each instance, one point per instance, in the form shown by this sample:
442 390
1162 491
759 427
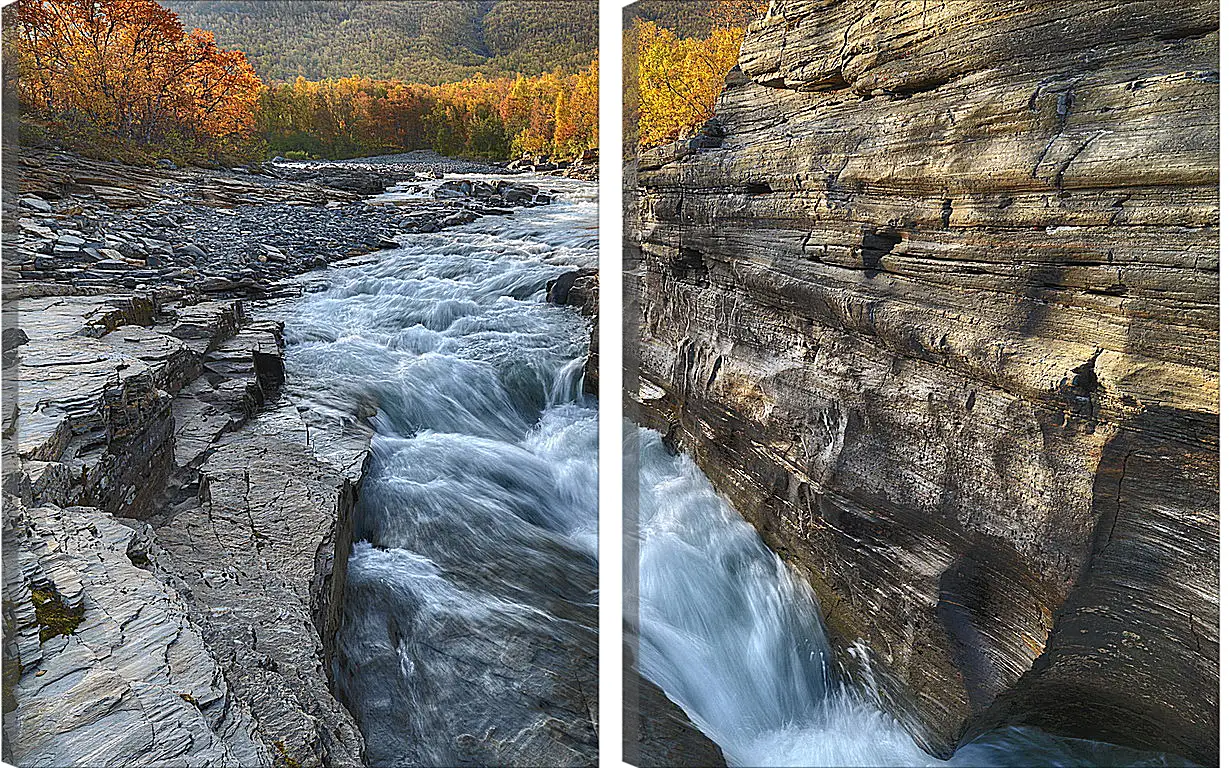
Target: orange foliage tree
128 68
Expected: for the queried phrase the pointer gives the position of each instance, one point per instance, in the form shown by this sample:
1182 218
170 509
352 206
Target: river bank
177 518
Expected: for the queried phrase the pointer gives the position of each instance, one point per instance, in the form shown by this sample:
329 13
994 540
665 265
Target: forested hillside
428 41
685 18
697 18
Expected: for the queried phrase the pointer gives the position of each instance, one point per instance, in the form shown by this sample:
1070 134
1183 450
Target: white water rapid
733 636
469 633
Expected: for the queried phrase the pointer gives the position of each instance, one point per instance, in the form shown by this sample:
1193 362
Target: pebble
248 246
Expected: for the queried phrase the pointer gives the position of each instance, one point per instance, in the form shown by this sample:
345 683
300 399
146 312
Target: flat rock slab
254 553
159 407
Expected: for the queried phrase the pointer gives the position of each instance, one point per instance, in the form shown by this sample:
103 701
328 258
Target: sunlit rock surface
938 313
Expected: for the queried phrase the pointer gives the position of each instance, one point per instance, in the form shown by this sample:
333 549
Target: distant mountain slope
685 18
696 18
429 41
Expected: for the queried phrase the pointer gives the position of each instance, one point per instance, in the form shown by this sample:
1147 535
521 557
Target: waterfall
471 590
734 637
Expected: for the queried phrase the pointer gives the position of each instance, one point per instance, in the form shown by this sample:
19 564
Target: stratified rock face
133 680
939 314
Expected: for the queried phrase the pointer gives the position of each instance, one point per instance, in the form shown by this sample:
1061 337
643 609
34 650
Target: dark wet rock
13 339
579 289
935 305
499 193
662 735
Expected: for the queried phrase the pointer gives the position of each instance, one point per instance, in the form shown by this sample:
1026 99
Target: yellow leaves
491 117
679 79
128 68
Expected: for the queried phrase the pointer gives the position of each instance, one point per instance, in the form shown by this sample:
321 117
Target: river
469 628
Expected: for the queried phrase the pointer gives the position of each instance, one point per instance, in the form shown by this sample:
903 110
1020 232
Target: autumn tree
576 126
678 79
128 68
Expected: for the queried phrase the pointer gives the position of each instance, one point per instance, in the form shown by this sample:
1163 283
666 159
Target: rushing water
471 585
734 637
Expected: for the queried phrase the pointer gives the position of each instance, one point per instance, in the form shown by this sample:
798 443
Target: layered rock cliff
933 300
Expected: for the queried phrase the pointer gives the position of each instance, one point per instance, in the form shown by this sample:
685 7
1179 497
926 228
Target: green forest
422 41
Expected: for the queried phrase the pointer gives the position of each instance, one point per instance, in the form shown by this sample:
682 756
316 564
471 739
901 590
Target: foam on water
477 523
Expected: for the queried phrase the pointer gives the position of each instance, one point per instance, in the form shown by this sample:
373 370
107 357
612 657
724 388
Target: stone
216 284
112 265
519 194
133 677
272 253
37 204
935 306
34 228
189 250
